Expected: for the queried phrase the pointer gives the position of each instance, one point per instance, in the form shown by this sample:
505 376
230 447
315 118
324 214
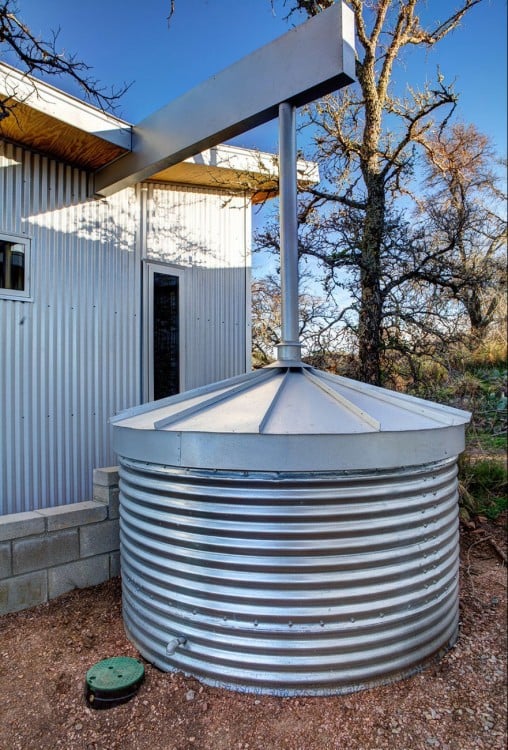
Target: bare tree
417 320
463 208
266 323
320 333
36 55
366 139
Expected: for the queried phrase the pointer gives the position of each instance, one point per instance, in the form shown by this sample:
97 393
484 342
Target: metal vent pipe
289 350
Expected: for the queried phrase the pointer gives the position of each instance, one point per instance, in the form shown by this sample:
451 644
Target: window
14 267
163 350
166 335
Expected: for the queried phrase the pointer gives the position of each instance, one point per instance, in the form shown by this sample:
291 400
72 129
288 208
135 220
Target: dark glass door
166 328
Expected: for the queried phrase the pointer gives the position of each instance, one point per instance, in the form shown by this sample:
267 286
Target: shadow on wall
76 348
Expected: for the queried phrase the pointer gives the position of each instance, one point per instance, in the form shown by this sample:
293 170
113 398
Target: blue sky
130 41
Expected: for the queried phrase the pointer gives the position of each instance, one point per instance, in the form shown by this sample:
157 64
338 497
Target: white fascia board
51 101
251 162
224 156
309 61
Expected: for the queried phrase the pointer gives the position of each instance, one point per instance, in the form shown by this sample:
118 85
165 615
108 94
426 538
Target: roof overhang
234 168
57 124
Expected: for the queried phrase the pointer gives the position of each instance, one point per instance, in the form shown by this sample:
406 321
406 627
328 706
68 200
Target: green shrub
483 486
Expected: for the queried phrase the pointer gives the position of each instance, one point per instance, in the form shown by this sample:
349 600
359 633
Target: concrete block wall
48 552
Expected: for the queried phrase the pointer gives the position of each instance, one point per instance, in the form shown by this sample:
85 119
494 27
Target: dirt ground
459 704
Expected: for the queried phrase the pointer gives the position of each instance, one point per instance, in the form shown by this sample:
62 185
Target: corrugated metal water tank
290 532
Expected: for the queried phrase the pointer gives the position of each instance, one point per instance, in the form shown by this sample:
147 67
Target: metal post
289 349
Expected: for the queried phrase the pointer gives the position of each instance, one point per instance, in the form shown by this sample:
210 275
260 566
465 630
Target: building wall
72 356
207 234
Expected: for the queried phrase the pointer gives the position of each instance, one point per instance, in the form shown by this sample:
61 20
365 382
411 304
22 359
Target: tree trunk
480 316
371 305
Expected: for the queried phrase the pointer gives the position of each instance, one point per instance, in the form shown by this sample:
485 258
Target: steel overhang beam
308 62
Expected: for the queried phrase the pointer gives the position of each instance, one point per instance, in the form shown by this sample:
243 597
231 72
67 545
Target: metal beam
307 62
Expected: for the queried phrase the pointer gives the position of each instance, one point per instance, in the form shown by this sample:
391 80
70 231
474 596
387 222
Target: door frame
150 268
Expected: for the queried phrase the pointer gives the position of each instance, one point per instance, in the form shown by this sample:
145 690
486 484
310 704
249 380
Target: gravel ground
459 704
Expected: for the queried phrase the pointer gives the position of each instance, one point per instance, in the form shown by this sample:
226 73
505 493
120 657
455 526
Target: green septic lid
113 681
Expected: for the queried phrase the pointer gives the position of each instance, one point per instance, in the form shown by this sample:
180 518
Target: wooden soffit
46 119
45 134
235 169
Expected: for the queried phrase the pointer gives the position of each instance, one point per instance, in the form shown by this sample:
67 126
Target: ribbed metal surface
290 583
207 233
72 357
292 419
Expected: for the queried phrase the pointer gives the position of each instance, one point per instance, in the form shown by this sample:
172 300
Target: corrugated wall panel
70 357
206 232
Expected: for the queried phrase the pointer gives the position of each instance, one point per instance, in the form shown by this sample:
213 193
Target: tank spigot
174 644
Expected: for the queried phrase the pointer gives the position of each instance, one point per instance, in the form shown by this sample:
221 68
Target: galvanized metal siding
206 232
290 583
70 357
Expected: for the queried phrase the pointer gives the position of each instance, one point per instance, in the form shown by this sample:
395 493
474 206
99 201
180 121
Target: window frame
150 268
15 294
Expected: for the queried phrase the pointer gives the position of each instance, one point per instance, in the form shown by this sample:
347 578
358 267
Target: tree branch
42 56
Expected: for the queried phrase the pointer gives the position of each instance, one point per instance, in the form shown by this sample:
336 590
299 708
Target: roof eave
231 167
42 97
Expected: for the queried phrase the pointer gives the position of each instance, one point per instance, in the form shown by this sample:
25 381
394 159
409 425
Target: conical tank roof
290 418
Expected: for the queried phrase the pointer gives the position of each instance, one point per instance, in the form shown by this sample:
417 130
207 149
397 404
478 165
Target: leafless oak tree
35 55
366 138
322 336
464 209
